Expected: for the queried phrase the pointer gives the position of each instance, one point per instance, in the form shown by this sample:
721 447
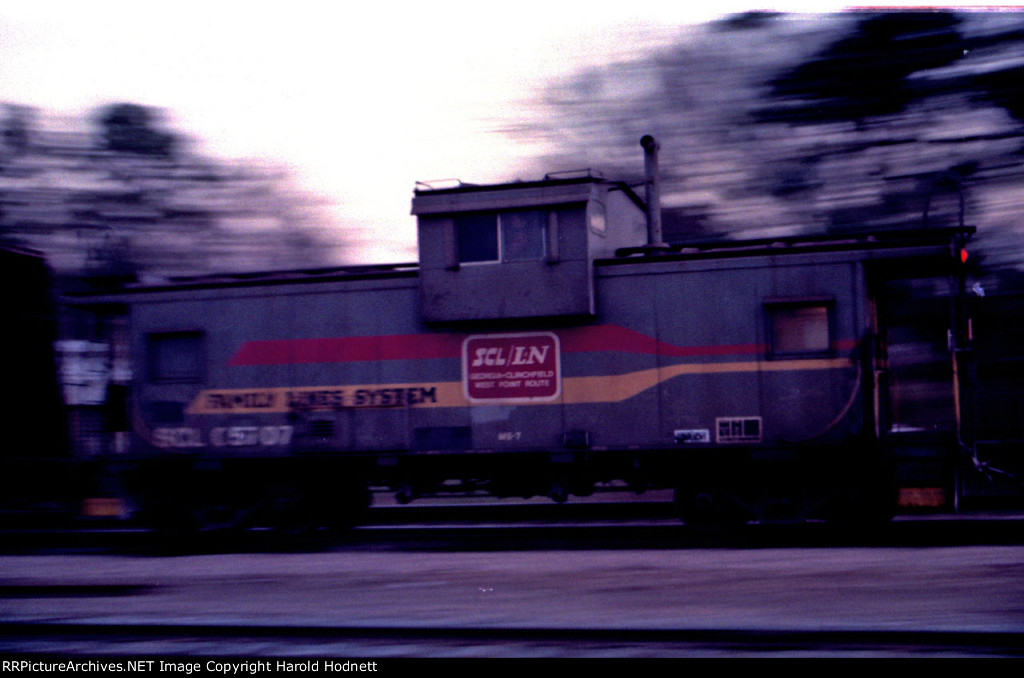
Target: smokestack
652 190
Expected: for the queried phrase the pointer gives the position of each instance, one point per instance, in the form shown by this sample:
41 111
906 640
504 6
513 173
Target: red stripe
429 346
348 349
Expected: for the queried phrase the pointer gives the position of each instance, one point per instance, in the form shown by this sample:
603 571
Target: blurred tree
774 125
1003 87
868 73
129 199
128 128
15 129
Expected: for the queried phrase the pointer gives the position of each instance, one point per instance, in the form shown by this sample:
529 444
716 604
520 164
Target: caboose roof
848 241
452 195
933 239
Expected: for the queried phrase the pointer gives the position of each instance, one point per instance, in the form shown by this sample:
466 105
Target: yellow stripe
603 389
575 390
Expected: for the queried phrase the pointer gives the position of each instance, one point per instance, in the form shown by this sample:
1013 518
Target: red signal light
963 255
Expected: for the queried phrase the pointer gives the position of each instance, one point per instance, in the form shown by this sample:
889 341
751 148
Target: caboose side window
477 238
799 328
519 235
176 357
523 235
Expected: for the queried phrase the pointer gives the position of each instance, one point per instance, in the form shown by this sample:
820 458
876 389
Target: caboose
549 343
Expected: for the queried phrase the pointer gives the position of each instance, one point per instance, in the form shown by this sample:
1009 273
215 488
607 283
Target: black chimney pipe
652 190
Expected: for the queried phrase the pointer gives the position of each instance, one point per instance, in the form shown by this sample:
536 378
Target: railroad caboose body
547 343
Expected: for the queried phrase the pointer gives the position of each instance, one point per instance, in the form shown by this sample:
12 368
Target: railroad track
529 527
383 643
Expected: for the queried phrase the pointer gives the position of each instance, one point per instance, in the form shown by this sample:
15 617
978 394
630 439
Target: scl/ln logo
521 355
516 367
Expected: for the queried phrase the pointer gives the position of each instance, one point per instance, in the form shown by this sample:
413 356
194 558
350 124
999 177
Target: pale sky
359 99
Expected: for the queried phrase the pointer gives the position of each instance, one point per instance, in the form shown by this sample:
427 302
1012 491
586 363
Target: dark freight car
548 343
36 470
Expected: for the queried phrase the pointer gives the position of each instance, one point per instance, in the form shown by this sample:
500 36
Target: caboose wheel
290 513
559 492
347 510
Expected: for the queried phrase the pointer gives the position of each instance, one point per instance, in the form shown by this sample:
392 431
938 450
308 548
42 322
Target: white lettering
178 437
242 436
